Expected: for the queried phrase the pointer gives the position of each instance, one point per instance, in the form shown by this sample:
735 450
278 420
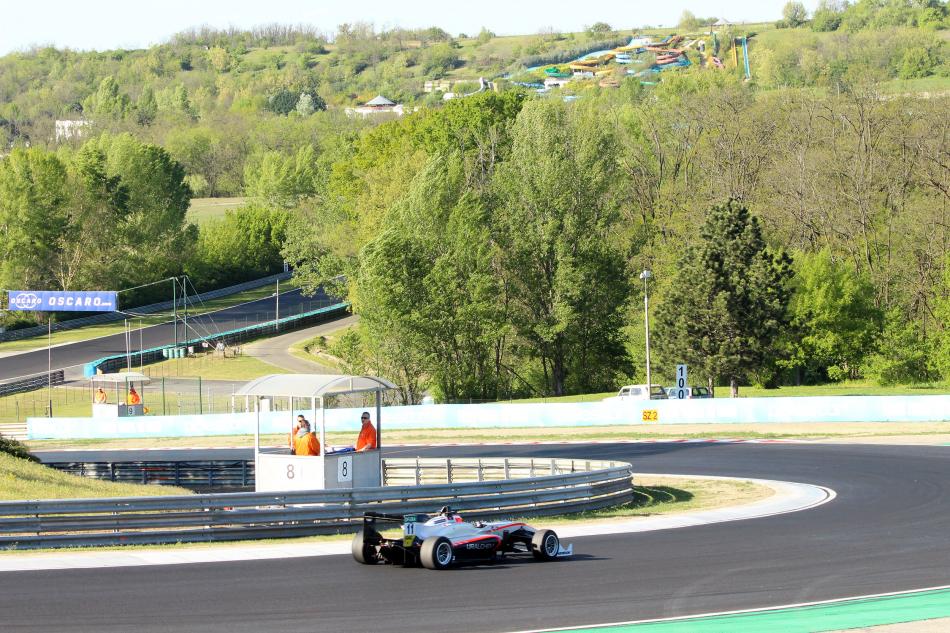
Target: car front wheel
545 545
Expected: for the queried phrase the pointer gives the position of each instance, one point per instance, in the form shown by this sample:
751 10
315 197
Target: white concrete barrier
510 415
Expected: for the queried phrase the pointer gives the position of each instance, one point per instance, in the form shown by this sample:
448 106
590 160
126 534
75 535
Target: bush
916 63
903 355
10 446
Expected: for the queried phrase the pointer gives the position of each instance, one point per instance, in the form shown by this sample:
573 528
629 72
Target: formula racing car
438 542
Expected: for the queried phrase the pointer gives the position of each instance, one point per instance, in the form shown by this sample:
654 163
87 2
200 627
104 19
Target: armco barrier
114 363
36 381
514 415
558 486
108 317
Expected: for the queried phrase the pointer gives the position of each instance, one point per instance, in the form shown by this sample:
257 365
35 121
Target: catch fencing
485 488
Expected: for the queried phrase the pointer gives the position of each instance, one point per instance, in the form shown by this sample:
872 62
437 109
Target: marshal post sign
62 301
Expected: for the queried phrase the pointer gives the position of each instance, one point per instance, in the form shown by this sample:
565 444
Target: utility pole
49 360
645 275
175 307
184 294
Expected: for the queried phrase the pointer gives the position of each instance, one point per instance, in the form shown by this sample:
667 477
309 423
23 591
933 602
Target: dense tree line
489 245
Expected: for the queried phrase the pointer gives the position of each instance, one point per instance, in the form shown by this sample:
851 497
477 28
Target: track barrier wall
512 415
486 488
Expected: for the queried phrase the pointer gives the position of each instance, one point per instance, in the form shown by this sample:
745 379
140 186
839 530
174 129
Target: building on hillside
442 85
375 106
557 82
66 130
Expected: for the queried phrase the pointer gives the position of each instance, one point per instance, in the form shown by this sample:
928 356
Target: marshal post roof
311 385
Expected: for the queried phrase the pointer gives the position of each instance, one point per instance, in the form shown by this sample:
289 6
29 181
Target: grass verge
22 479
314 349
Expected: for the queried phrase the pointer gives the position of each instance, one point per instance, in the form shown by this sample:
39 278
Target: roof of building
311 385
379 100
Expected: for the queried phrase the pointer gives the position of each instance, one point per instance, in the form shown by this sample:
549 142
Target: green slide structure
824 616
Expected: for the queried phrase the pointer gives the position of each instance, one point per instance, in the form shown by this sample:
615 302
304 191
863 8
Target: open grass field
204 209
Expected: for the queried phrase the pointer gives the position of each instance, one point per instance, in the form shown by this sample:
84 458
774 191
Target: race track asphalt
73 354
887 530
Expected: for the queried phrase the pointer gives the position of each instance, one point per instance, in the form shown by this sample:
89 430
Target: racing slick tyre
545 545
436 553
363 553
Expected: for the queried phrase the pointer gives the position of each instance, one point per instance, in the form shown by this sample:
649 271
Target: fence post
163 395
199 396
480 471
448 471
507 469
418 472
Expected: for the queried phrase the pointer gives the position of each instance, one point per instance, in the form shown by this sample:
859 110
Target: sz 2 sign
681 390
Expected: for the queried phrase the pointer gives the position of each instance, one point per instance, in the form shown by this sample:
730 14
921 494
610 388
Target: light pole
645 275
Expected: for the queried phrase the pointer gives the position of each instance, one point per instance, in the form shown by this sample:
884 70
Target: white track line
788 497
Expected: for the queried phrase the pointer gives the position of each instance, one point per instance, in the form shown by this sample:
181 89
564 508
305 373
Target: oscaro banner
65 301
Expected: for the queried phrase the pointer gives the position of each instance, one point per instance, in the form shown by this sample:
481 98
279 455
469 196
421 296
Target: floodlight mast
645 275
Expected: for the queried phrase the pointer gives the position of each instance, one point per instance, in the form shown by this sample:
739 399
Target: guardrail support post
418 472
481 473
507 469
448 471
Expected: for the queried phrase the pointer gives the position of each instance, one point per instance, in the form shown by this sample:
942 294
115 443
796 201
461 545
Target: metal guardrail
108 317
37 381
114 363
201 475
493 489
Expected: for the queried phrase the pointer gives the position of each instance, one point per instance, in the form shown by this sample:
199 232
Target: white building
375 106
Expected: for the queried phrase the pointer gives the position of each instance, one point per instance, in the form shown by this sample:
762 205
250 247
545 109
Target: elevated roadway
886 531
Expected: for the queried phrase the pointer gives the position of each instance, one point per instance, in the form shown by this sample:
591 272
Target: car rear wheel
545 545
363 553
436 553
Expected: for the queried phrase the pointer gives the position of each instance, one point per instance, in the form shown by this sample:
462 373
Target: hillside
492 244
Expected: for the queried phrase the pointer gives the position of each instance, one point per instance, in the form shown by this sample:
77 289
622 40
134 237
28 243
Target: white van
639 392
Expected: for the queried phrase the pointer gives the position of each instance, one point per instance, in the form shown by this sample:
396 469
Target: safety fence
108 317
566 486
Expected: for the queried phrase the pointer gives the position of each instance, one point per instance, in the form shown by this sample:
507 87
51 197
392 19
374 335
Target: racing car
440 541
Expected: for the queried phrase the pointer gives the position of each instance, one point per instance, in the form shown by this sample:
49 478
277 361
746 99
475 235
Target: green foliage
599 28
794 14
827 16
834 320
567 280
902 355
12 447
916 63
726 305
244 245
282 181
942 315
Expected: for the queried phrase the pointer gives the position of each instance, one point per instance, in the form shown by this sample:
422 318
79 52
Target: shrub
12 447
